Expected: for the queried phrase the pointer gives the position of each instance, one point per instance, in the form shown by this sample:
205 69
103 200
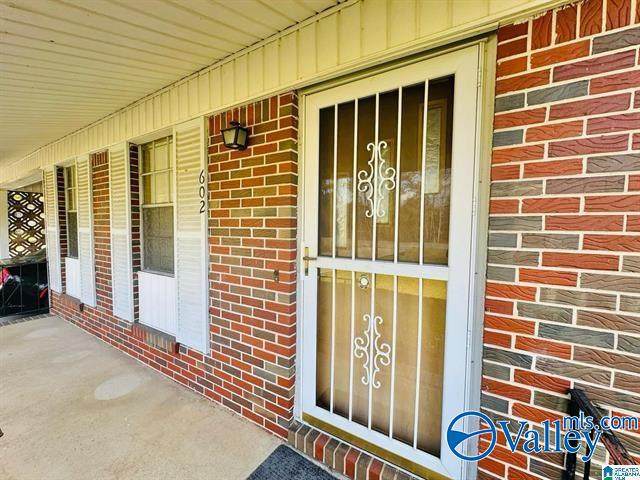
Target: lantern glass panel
241 140
229 136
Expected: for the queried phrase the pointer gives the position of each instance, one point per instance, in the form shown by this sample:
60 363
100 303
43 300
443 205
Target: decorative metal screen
381 318
26 223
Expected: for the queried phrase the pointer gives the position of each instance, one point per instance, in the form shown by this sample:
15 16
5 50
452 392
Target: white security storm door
388 223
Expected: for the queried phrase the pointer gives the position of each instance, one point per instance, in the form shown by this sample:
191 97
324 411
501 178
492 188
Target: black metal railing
23 286
617 453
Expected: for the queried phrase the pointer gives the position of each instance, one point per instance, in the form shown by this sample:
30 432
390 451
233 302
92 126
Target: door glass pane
366 135
405 360
377 369
437 188
362 300
323 338
342 343
410 173
434 303
344 180
381 352
325 187
385 215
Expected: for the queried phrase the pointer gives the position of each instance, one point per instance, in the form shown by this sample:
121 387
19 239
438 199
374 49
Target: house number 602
202 192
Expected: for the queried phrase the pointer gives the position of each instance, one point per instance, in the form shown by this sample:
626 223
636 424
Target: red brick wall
136 252
102 229
252 235
62 223
563 290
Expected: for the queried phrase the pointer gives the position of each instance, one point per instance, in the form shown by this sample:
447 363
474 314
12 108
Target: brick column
563 290
102 229
253 252
136 225
62 224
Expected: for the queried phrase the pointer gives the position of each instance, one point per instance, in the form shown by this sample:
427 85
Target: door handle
306 259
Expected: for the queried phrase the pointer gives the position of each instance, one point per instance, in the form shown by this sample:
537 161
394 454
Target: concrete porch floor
72 407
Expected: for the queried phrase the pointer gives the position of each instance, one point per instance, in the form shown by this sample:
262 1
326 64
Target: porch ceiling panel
67 63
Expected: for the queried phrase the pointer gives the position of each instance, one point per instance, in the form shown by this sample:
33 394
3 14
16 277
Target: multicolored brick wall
252 236
563 288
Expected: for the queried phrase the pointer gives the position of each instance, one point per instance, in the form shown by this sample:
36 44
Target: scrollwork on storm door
374 352
374 182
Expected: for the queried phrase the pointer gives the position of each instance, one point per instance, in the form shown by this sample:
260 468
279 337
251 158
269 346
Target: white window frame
73 285
141 176
74 192
157 291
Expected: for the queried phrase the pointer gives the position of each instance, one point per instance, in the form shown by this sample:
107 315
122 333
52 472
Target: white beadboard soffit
65 64
78 76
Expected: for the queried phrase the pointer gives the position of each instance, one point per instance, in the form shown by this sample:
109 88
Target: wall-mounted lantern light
235 137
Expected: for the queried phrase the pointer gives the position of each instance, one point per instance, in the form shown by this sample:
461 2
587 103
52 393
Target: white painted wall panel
354 34
72 277
157 302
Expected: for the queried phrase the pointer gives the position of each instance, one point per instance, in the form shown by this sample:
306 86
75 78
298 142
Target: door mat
284 462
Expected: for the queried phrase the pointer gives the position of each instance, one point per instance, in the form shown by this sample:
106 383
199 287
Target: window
71 203
156 180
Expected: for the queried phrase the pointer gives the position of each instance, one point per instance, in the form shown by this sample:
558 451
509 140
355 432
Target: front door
389 185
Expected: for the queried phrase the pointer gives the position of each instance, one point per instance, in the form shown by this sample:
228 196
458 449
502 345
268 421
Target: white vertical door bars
388 213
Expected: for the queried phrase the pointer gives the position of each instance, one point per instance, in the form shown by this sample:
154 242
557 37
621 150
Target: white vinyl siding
352 36
191 248
120 209
52 230
85 231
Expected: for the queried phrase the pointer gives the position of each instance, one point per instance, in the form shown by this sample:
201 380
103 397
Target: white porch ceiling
67 63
